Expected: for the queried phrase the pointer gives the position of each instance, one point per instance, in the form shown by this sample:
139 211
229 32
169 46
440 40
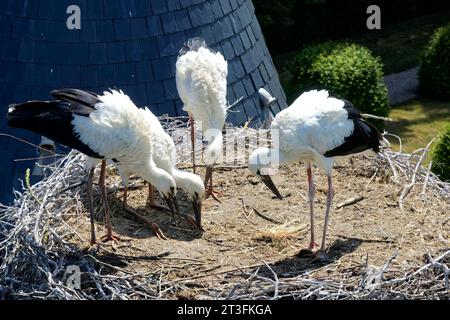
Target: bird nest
388 234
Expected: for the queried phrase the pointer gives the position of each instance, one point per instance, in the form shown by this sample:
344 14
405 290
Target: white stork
201 77
317 129
165 157
103 127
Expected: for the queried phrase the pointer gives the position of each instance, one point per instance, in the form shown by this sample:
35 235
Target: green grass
417 122
399 46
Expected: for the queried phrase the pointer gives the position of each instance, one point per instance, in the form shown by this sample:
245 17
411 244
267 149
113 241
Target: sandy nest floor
251 228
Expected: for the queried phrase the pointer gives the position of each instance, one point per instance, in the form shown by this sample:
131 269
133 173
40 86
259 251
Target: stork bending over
103 127
317 129
165 157
201 77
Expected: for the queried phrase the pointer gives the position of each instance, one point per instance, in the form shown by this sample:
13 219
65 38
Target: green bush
441 156
434 75
346 70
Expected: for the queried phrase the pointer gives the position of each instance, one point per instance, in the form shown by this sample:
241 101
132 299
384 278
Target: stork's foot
192 222
213 194
156 230
110 237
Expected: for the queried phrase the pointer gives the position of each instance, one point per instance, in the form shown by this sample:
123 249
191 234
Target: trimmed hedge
346 70
434 75
441 156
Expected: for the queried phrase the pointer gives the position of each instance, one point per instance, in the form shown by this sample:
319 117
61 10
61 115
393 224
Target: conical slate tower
128 44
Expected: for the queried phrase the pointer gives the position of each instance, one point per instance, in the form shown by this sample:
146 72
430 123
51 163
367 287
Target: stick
408 187
350 201
266 217
427 177
371 116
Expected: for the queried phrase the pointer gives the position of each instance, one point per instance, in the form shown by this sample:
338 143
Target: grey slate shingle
128 44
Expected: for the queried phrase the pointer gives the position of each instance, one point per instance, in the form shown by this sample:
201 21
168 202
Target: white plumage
117 130
165 157
104 127
201 77
314 124
316 128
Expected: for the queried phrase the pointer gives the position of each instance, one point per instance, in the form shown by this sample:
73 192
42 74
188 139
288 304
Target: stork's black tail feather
52 119
87 98
374 135
365 136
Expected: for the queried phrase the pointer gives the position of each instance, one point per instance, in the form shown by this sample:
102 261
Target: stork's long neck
182 178
156 176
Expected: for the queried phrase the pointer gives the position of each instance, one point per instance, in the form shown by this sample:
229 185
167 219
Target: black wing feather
86 98
52 119
365 136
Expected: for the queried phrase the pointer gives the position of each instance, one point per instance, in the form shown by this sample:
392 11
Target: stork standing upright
165 157
201 77
317 129
103 127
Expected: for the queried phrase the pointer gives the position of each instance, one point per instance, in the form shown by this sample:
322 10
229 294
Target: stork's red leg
91 205
191 120
311 191
109 236
156 230
151 200
209 190
330 195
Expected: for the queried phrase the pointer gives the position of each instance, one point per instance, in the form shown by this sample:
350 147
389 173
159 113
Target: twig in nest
371 116
427 177
398 138
244 207
409 186
350 201
231 106
364 240
32 144
266 217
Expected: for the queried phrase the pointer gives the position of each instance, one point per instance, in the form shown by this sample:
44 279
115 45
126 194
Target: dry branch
350 201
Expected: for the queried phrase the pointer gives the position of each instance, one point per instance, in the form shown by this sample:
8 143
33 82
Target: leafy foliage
441 156
345 70
434 72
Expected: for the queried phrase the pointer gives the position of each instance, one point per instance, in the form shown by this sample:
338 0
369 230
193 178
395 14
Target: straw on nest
35 253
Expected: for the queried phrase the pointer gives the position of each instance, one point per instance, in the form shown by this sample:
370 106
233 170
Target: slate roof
130 44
